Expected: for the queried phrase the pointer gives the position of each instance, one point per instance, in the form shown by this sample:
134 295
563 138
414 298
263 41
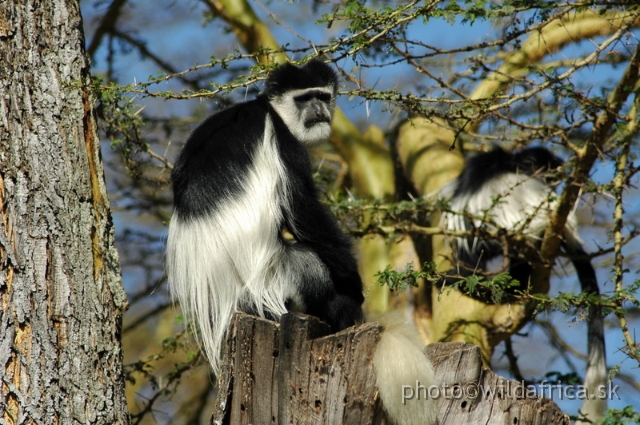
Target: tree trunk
291 373
61 295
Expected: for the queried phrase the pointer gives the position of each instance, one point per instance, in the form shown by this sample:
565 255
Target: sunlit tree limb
570 28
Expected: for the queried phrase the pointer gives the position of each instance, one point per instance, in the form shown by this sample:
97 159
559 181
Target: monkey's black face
314 107
307 113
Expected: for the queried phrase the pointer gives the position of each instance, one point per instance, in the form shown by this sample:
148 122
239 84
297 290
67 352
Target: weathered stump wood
480 396
294 372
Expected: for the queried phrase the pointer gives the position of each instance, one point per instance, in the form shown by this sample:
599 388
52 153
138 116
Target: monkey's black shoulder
215 159
483 167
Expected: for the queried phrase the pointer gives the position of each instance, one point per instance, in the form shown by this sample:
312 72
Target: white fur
287 109
233 258
595 377
399 360
510 201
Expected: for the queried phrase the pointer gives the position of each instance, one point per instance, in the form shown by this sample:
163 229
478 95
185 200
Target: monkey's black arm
313 225
310 221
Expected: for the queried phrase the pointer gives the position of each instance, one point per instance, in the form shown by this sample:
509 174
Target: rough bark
61 295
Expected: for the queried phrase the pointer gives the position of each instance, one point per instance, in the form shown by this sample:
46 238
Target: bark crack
97 200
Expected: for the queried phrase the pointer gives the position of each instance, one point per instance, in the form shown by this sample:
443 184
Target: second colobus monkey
502 190
242 180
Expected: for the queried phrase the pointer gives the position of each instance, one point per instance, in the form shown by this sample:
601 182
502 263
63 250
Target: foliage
621 416
407 278
497 289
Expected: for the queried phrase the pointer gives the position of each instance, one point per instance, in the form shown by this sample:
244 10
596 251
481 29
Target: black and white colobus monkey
242 180
502 190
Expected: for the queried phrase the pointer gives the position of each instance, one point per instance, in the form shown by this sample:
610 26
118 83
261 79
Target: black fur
482 167
213 163
288 77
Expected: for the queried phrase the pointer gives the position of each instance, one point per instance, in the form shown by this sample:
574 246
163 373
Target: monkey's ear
277 82
314 74
324 73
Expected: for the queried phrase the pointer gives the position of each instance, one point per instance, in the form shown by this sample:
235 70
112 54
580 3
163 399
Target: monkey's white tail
595 379
400 362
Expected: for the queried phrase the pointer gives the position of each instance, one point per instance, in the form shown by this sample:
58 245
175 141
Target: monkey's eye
321 96
304 98
325 97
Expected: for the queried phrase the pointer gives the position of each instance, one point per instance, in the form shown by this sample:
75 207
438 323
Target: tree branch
580 174
107 24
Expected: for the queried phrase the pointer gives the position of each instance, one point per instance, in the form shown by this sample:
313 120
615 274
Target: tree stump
294 372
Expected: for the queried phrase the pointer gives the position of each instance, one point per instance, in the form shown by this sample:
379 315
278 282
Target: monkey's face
307 113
